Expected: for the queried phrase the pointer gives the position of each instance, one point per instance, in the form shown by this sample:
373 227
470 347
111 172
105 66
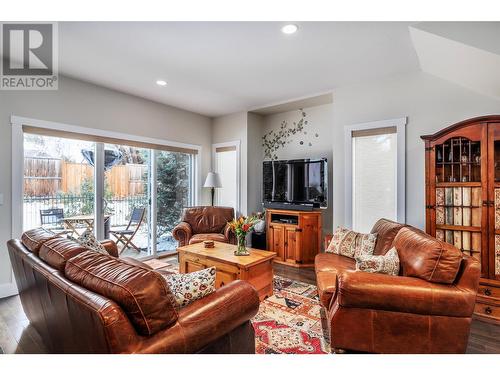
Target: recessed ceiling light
161 82
289 29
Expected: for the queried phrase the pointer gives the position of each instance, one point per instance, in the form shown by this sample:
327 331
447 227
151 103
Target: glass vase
241 242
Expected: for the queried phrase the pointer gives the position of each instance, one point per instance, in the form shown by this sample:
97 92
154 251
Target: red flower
246 227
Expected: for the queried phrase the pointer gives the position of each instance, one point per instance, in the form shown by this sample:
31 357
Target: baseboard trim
8 289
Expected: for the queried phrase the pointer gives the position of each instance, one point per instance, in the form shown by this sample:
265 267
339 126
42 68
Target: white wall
254 162
233 127
84 104
320 122
430 104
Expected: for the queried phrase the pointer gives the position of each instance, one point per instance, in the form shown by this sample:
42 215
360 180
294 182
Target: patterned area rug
288 322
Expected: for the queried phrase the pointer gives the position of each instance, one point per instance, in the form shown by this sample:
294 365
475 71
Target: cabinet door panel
278 241
224 277
457 190
310 237
493 257
292 253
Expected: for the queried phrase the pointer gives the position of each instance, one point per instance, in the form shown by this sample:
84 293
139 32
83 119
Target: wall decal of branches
274 140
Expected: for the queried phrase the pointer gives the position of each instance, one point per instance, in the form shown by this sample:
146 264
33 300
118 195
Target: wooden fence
48 176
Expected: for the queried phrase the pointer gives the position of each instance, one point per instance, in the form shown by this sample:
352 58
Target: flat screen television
300 182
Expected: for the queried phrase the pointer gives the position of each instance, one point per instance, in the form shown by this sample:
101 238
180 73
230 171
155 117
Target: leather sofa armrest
357 289
182 233
110 247
229 234
206 320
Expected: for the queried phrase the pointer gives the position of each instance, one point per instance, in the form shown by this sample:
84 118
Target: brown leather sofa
205 223
425 309
82 301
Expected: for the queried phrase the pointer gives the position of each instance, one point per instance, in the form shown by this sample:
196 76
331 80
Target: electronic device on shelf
299 184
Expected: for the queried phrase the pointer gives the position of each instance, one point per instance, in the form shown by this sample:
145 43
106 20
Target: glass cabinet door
494 200
459 191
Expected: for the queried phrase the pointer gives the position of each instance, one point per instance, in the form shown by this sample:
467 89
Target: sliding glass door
174 191
129 193
58 188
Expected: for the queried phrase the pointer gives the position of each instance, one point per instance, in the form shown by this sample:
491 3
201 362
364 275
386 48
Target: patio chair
52 218
125 236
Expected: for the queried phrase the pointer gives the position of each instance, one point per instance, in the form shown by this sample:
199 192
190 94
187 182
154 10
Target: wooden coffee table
256 268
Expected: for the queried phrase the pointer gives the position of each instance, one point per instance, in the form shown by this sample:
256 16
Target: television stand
295 236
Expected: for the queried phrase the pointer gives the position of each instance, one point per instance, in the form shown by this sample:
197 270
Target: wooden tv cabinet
295 236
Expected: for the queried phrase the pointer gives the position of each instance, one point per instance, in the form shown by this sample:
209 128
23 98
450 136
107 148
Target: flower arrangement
241 227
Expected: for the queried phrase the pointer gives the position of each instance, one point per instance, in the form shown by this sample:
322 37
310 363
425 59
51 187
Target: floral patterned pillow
188 287
338 235
351 244
388 263
88 240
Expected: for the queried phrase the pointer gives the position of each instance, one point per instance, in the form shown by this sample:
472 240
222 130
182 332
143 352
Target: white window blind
226 166
374 177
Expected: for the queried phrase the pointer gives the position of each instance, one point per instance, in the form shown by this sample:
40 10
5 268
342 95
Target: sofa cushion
351 244
386 232
388 263
34 238
425 257
207 236
189 287
57 251
142 293
88 240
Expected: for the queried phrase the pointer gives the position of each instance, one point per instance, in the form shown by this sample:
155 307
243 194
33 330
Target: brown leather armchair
427 308
204 223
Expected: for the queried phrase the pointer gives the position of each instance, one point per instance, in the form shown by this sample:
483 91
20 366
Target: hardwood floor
18 336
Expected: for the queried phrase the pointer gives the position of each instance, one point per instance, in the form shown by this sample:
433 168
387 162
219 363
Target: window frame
17 124
400 124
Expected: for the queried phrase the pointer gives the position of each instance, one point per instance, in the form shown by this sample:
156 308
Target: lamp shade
212 181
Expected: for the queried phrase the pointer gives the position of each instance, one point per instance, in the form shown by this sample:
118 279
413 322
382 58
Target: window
72 181
375 186
226 164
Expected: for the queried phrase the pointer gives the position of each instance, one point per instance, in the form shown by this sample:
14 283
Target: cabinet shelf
458 184
466 163
458 227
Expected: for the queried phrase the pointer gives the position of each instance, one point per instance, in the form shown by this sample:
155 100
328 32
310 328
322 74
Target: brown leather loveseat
204 223
82 301
426 309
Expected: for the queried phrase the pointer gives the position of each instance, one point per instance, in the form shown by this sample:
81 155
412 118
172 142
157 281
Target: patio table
71 222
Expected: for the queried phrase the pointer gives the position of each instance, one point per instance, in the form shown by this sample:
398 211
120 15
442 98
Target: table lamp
212 181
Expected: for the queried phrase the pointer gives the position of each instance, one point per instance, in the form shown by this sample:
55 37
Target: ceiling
216 68
465 53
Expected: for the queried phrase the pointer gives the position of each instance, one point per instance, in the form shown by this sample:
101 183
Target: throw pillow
188 287
388 263
352 244
88 240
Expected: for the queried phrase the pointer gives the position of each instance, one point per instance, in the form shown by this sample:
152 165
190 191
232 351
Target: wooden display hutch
462 172
295 236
